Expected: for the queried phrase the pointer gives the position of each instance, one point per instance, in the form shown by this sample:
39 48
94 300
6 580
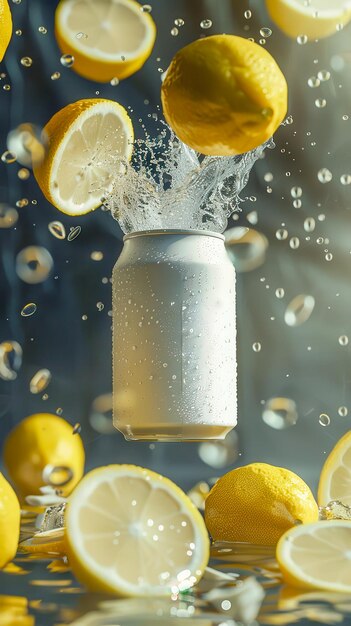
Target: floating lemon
313 19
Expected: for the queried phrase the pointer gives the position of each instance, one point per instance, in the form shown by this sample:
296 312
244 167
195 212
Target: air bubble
294 243
320 103
10 359
8 157
280 293
29 309
329 256
343 340
81 35
34 264
281 234
247 15
42 30
179 22
313 82
302 39
206 24
146 8
265 32
296 192
67 60
345 179
74 232
26 61
299 310
324 175
309 224
280 413
55 76
97 255
57 229
23 173
8 216
297 204
323 75
28 142
114 81
256 346
40 381
324 419
174 31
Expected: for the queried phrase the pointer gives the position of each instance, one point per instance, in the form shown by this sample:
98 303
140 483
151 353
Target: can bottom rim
172 231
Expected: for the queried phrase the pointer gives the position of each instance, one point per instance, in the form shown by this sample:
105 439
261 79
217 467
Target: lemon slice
317 556
5 27
130 531
335 478
48 542
86 142
314 19
109 39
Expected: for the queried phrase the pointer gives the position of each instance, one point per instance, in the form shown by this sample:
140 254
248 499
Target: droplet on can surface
343 411
294 243
280 413
57 229
40 381
324 419
345 179
299 310
10 359
29 309
343 340
281 234
313 82
34 264
67 60
8 216
219 454
323 75
74 232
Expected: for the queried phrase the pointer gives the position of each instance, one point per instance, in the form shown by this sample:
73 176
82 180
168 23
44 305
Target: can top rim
173 231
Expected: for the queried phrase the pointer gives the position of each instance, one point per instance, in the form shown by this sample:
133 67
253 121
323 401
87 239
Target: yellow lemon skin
335 477
224 95
10 514
294 22
39 440
257 503
5 27
98 70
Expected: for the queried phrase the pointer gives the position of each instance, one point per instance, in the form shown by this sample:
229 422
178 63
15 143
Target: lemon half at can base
132 532
109 39
86 142
224 95
315 19
317 556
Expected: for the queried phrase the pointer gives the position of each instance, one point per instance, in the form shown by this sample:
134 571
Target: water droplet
219 454
329 256
323 75
247 15
302 39
206 24
174 31
146 8
164 364
18 32
34 264
320 240
6 87
81 35
40 381
281 234
55 76
343 411
8 157
100 417
100 306
297 204
313 82
265 32
296 192
21 203
324 419
26 61
294 243
67 60
179 22
252 217
324 175
29 309
28 142
114 81
77 429
256 346
309 224
345 179
343 340
84 318
299 310
280 413
57 229
320 103
280 293
74 232
345 117
57 475
10 359
42 30
23 173
8 216
97 255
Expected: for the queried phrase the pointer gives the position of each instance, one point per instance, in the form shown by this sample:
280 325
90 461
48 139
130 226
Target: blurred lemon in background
86 142
9 522
224 95
109 39
317 556
313 19
41 450
130 531
5 27
335 478
257 503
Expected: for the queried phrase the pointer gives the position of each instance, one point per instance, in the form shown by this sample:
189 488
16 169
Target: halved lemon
86 142
335 478
5 27
317 556
130 531
109 39
315 18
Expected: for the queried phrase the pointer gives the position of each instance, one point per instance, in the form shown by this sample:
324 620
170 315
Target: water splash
169 185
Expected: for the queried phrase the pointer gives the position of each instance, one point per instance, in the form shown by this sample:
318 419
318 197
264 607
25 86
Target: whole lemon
42 449
10 514
257 503
5 27
224 95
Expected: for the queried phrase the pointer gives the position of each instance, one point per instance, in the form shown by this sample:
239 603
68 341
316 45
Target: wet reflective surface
41 590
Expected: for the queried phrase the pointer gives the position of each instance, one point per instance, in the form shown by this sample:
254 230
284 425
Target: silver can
174 337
